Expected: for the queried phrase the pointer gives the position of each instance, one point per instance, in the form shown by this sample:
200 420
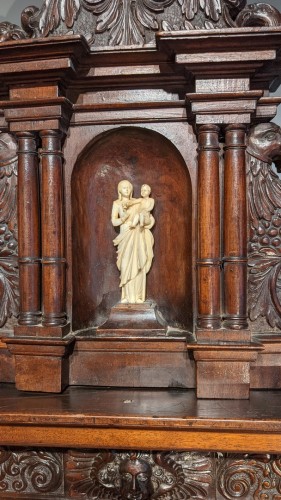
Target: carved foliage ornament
110 475
249 476
25 471
9 293
126 21
139 475
133 22
264 199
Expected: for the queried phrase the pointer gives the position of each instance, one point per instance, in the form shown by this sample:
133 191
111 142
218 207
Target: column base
223 335
42 332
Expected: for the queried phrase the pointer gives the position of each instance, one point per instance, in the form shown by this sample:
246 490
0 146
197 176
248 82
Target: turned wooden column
52 215
29 230
208 261
235 229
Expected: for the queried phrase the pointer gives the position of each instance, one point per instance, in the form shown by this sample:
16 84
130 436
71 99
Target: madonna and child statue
134 242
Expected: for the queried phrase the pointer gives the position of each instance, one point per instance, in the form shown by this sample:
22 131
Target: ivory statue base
134 320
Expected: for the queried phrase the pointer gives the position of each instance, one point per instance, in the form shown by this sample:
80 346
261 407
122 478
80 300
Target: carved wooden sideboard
175 94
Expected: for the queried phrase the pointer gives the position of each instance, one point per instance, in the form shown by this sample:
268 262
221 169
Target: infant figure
146 204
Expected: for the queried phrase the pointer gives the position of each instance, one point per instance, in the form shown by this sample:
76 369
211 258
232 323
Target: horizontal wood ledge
87 417
142 439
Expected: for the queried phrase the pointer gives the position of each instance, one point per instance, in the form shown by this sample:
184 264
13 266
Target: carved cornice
123 23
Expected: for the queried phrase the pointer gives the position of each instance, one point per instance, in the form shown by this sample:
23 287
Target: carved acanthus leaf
133 22
265 287
41 22
126 21
53 11
211 8
9 292
9 295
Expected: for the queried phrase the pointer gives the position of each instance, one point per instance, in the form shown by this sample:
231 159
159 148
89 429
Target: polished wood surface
29 230
209 229
141 156
235 229
140 419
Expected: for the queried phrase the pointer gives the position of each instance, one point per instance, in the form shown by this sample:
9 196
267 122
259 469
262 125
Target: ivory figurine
135 241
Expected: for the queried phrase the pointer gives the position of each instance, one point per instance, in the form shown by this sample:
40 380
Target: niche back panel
141 156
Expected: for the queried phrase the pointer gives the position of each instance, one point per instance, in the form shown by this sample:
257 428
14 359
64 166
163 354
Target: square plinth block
266 371
41 365
223 371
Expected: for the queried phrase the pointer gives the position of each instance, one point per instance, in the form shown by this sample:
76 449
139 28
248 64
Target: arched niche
141 156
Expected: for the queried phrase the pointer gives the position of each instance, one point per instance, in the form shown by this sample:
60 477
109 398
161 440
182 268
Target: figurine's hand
124 218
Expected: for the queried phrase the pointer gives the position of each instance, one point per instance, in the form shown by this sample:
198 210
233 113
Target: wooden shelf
88 417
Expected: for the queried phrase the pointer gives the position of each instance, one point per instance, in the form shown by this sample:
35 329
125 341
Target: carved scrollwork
31 472
260 14
41 22
9 31
264 200
139 475
9 293
249 476
213 10
130 22
133 22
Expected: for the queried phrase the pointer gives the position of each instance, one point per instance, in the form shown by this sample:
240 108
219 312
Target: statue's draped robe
134 255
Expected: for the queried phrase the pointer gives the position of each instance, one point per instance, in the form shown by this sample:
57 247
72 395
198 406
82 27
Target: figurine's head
125 189
136 481
145 190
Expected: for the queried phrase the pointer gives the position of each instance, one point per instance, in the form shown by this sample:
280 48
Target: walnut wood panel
141 156
144 362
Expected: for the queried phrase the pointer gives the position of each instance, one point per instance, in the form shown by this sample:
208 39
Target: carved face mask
136 480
